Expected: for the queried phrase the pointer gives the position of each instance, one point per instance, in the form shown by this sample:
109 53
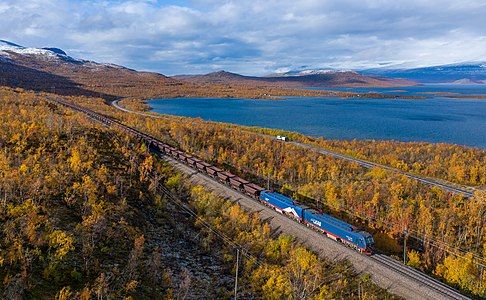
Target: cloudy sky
252 37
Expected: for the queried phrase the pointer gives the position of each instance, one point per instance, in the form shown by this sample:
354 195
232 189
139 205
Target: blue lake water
435 119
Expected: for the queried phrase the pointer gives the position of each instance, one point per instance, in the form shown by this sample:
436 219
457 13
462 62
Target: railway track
404 271
447 291
370 165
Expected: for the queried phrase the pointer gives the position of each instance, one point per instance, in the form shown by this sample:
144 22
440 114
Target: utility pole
268 181
405 247
481 278
237 265
359 289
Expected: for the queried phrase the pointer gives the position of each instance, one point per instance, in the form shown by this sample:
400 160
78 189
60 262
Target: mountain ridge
467 72
322 78
50 70
9 49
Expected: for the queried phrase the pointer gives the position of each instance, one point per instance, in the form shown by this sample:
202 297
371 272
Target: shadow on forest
30 79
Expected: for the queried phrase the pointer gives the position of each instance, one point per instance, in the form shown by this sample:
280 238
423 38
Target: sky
252 37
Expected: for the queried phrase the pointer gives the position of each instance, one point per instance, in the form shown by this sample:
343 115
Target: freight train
334 228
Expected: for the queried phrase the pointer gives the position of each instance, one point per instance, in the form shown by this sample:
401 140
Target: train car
186 158
178 154
282 204
182 156
238 183
213 171
201 166
340 231
160 146
253 190
173 152
225 176
191 161
168 149
150 141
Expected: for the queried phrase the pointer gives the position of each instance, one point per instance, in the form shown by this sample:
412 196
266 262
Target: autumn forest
83 217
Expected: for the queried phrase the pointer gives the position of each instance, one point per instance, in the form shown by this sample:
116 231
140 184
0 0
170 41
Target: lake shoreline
434 120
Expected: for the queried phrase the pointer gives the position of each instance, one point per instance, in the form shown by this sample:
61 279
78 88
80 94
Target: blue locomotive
282 204
339 230
334 228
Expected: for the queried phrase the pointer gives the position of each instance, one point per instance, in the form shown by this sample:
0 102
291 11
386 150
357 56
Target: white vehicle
282 138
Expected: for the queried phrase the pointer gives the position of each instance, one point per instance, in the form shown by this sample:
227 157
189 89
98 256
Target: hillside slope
78 216
304 79
50 70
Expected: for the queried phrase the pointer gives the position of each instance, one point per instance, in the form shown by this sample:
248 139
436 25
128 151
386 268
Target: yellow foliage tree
460 271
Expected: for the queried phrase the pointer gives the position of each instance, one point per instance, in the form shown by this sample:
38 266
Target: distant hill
52 70
327 78
220 77
465 73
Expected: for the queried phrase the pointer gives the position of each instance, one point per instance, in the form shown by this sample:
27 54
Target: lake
436 119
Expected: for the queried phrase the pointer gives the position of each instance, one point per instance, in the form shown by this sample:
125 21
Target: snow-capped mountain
9 48
51 69
311 72
469 72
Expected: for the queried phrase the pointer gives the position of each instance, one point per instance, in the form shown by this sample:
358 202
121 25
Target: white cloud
250 35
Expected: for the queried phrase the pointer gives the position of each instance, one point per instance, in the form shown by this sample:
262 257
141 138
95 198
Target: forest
445 232
82 217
